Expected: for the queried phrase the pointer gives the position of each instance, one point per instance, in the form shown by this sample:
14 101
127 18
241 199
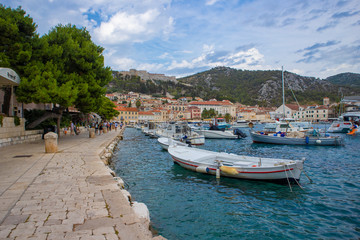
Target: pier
69 194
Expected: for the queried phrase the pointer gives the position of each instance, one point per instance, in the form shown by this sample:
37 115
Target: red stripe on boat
214 169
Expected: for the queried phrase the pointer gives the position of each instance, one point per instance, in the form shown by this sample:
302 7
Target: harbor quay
68 194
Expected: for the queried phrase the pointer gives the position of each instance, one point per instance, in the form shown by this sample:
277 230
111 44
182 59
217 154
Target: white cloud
123 63
151 67
123 27
211 2
244 59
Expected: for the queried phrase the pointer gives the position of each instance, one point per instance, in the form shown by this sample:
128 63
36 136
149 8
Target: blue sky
317 38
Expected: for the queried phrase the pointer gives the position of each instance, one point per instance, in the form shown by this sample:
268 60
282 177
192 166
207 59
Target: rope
293 95
296 180
287 178
311 181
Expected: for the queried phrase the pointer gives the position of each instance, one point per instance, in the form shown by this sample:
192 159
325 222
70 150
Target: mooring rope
287 178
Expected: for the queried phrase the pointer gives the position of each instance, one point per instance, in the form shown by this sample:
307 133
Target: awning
9 77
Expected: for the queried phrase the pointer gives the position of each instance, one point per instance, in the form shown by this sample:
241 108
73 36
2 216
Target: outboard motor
239 133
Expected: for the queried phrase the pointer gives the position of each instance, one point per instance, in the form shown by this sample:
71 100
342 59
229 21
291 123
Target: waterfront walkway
65 195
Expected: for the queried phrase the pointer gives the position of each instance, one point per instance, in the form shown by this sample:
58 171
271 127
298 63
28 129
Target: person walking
72 128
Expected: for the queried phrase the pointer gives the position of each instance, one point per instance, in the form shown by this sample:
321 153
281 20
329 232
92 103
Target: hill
345 79
247 87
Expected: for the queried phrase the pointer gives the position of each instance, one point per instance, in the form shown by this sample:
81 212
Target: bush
16 120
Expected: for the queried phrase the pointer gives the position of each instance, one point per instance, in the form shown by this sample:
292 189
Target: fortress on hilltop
144 75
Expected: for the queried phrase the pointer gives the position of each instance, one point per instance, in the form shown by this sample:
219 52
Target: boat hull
165 142
290 171
339 127
214 134
318 141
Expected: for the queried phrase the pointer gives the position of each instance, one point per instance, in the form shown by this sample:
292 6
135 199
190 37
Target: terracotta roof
146 113
292 106
129 109
210 103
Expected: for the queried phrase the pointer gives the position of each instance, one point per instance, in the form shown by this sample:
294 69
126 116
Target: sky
316 38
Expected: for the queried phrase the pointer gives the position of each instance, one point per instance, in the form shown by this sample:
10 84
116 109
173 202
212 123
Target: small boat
214 132
165 142
236 166
240 124
344 124
181 132
295 138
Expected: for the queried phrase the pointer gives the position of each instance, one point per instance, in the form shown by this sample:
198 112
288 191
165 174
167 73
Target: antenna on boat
283 90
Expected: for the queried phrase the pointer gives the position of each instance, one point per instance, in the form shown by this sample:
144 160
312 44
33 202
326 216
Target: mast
283 90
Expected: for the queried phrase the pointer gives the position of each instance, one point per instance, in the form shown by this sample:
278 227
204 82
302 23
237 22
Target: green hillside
248 87
345 79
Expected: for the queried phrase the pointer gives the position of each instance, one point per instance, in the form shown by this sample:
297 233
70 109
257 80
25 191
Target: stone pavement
69 194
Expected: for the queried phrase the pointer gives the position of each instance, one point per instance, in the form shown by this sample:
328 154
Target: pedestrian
72 126
101 128
96 128
116 126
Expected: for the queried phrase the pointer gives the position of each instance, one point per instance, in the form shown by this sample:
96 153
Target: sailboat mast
283 90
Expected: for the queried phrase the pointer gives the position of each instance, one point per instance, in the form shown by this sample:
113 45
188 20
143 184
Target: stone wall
11 134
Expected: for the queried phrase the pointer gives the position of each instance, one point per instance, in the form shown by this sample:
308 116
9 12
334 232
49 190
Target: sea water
189 205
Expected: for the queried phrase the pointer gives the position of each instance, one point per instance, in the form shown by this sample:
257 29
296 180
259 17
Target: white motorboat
240 124
343 124
236 166
218 134
165 142
181 132
222 134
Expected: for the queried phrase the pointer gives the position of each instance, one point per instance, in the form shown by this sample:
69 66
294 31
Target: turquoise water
188 205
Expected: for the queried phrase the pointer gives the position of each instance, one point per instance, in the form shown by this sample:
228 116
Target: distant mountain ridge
345 79
263 88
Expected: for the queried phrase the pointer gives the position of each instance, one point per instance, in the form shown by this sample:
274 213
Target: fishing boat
165 142
296 138
236 166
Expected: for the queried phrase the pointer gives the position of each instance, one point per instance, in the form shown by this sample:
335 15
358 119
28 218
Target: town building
221 107
127 115
146 117
312 114
290 109
195 112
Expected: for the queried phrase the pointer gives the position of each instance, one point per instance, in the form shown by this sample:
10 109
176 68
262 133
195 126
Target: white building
222 107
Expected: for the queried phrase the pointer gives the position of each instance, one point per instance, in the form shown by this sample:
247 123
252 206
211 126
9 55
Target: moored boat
344 123
237 166
295 138
165 142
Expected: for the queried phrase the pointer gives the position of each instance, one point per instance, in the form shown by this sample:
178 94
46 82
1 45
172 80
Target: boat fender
307 140
202 169
282 135
318 141
229 170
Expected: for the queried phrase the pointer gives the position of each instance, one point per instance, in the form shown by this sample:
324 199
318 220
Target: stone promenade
69 194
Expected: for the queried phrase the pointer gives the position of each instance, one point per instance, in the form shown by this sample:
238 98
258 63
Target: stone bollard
104 129
51 142
91 132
